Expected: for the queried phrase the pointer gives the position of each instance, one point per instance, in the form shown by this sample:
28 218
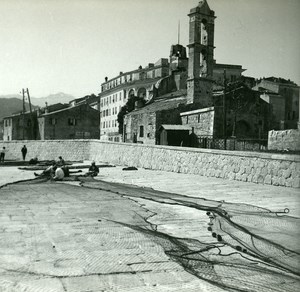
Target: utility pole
29 100
23 93
224 109
31 116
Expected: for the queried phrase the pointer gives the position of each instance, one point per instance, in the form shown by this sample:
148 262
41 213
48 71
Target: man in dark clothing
2 154
93 170
24 152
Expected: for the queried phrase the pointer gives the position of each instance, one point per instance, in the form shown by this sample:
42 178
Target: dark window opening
72 122
141 131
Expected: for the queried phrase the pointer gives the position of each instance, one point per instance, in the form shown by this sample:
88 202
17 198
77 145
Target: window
120 96
52 121
72 122
141 131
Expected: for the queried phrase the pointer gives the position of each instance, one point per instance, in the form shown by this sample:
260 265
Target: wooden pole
224 109
29 100
23 93
31 116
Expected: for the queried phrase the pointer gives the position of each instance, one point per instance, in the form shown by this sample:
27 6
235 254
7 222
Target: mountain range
10 104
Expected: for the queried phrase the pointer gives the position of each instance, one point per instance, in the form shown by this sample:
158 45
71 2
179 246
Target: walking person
2 154
24 152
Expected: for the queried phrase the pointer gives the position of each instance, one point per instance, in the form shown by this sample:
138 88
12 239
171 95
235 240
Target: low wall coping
286 157
274 156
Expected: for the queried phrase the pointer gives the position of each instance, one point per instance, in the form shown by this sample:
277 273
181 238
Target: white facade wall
110 106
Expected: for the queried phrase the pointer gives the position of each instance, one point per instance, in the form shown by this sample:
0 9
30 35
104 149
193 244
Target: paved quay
145 230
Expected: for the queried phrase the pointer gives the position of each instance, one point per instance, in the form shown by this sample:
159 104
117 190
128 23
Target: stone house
142 125
20 126
247 115
75 122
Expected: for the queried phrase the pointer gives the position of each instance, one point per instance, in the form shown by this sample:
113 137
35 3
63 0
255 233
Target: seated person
93 170
60 162
58 174
48 172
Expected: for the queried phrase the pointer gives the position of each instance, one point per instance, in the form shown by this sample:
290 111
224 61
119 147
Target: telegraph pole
224 109
29 100
23 93
32 121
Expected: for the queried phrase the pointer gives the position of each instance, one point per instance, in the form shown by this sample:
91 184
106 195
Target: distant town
188 99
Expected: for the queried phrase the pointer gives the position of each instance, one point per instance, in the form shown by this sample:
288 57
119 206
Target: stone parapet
262 168
284 140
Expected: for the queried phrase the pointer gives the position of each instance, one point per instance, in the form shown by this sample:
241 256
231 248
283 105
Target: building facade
142 125
75 122
21 126
283 97
115 93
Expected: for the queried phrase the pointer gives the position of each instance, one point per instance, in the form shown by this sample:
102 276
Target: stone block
275 181
268 179
287 173
296 182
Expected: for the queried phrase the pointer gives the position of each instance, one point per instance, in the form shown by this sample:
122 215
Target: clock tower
201 55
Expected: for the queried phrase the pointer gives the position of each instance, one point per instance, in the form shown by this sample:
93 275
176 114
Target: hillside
52 99
10 104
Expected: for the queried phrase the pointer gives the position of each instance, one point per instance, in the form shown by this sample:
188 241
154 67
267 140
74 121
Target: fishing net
252 248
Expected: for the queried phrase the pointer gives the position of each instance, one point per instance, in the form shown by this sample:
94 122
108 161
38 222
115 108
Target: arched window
142 92
131 93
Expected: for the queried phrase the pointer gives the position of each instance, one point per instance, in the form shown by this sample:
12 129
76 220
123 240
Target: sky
70 46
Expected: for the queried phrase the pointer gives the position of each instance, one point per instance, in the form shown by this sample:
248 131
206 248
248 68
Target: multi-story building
58 121
231 72
116 91
283 97
20 126
72 122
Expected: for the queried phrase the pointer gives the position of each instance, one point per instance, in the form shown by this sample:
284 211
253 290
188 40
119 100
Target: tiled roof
165 102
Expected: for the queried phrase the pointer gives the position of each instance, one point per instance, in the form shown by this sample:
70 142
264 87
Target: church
199 100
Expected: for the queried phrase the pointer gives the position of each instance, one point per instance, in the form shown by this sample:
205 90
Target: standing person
2 154
24 152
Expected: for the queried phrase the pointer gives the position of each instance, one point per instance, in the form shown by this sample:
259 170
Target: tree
127 108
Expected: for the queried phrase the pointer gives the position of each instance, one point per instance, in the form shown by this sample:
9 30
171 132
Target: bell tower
201 55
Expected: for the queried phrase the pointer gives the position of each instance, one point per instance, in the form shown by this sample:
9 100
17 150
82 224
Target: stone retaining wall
48 149
264 168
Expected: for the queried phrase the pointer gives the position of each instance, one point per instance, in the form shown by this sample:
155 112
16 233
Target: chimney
46 108
106 78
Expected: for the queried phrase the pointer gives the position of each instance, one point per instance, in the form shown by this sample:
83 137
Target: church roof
168 101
